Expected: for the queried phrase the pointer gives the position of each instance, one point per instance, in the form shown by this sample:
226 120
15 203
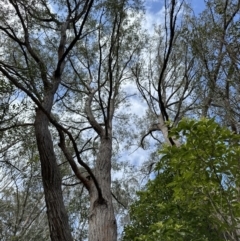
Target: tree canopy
195 192
87 88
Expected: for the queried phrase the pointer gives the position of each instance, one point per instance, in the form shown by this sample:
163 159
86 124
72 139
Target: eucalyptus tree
192 68
214 42
69 59
22 212
199 81
167 82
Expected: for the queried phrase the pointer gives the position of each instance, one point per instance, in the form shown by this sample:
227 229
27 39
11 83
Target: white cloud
153 19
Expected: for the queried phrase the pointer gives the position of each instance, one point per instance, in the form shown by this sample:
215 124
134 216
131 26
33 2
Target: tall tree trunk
102 222
51 178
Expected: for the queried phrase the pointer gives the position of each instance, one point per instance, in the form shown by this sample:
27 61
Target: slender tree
168 81
71 56
213 38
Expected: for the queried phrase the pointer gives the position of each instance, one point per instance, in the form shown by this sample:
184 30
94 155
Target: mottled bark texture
102 222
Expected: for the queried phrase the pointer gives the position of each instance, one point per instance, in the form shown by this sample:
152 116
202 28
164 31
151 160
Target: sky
154 10
137 156
155 6
154 15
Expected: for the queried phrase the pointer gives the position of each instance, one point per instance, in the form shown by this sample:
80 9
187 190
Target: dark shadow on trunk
51 178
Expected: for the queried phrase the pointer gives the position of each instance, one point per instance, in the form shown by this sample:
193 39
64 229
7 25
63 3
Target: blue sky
197 5
155 5
154 15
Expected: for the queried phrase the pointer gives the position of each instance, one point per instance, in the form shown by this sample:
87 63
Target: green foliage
195 193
